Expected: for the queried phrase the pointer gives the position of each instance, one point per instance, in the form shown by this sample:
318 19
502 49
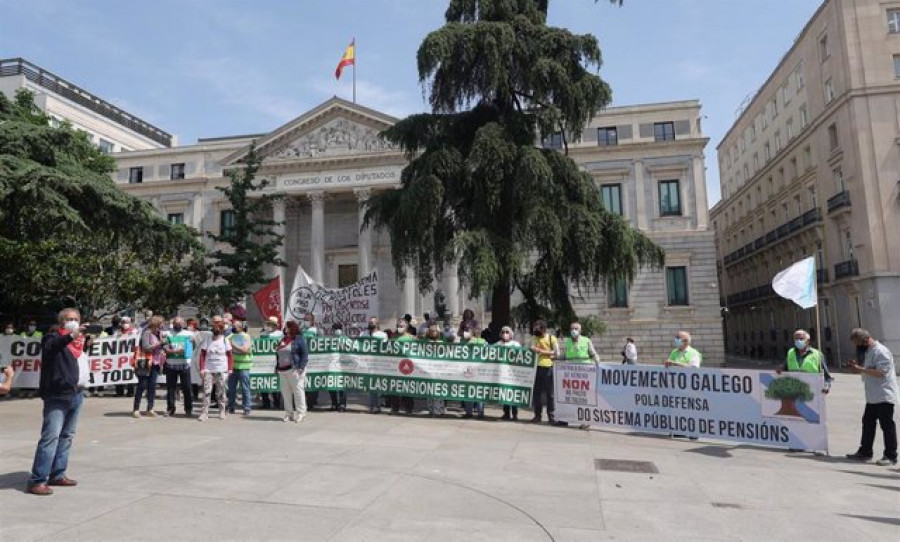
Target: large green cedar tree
480 191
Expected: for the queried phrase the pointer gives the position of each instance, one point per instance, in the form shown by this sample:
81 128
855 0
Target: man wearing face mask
179 353
578 348
31 331
880 379
684 355
374 330
405 332
338 397
472 335
62 397
803 358
9 329
506 339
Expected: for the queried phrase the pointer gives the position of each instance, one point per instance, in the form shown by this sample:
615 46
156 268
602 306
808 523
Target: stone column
365 234
451 290
700 193
640 195
317 235
197 211
409 292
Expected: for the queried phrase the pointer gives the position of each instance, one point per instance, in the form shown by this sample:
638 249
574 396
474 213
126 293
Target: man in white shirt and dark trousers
880 380
629 353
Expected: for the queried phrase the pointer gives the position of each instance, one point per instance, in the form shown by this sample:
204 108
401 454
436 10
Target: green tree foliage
789 388
252 243
69 236
477 186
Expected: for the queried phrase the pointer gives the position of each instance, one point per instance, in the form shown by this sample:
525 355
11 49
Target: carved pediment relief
337 137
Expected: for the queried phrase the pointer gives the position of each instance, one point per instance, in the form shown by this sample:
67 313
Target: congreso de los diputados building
647 161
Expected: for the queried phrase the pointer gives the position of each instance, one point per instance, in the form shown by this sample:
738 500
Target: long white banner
765 408
107 361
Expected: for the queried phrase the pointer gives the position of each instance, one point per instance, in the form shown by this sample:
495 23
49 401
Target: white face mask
467 334
338 332
575 333
401 330
72 325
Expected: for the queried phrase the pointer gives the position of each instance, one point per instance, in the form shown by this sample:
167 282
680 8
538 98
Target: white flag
350 306
798 283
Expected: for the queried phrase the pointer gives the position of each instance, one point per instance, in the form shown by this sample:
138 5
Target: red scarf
76 347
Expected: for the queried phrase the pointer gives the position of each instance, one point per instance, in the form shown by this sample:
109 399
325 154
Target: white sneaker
203 418
151 414
136 414
299 418
287 418
222 415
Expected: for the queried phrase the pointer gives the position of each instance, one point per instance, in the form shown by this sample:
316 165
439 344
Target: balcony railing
850 268
813 216
841 199
49 81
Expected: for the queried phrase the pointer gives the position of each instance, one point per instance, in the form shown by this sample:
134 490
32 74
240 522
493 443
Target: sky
209 68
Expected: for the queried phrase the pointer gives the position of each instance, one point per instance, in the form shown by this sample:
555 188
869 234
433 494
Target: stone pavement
355 476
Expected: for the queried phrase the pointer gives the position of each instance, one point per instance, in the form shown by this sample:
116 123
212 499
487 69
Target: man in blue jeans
59 388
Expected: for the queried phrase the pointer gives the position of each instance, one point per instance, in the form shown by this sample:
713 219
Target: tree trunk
500 305
788 408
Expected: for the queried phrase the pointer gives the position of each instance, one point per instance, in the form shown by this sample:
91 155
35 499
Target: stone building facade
810 168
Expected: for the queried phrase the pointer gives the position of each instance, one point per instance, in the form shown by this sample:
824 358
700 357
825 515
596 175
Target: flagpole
354 70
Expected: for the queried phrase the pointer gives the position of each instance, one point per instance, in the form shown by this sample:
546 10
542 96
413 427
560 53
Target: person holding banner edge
292 356
546 346
803 358
510 413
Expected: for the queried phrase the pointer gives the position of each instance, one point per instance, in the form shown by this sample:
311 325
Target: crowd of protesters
221 349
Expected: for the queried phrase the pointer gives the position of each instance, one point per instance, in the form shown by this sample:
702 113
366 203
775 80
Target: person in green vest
31 331
684 355
578 348
803 358
242 351
472 335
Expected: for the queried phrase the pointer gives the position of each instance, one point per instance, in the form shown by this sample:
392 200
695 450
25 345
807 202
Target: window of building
807 158
804 117
746 172
799 77
832 138
752 132
617 293
755 162
829 91
790 128
896 66
742 143
848 246
226 222
135 175
670 198
783 94
612 197
176 218
824 52
813 200
347 274
778 141
555 141
893 20
607 137
177 172
773 108
838 174
676 286
767 151
55 122
664 131
794 171
106 147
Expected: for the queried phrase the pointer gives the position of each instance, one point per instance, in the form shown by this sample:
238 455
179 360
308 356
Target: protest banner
350 306
431 370
757 407
108 360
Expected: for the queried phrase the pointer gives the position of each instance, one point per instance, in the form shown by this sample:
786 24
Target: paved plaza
355 476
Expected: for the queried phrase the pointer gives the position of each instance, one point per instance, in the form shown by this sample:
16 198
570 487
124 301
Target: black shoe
536 419
505 417
342 408
480 415
859 457
170 412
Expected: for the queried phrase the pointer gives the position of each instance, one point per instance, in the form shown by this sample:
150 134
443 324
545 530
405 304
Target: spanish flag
349 59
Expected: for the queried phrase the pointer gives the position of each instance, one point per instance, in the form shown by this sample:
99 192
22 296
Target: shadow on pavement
877 519
872 474
14 480
889 488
